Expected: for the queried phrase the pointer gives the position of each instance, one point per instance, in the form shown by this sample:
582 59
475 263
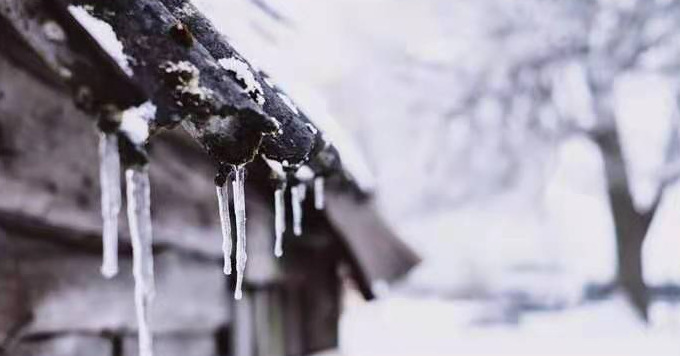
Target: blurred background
527 150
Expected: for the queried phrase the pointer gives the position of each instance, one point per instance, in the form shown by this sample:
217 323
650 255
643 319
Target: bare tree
599 41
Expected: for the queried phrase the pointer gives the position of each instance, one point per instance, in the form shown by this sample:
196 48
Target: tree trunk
630 225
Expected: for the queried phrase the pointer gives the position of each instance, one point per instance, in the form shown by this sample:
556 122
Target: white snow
109 180
104 35
304 173
139 220
243 72
402 326
240 214
191 78
135 122
225 224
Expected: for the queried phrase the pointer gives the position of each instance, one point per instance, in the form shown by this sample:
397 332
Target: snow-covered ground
401 326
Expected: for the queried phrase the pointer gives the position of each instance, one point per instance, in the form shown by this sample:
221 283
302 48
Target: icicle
296 202
139 219
319 199
240 213
303 191
279 218
225 222
109 179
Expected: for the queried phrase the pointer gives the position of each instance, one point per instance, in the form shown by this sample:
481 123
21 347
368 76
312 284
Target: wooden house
53 301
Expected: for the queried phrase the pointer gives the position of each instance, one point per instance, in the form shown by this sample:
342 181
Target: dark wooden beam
297 136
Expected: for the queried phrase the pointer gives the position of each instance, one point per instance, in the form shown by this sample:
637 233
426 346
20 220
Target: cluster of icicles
139 221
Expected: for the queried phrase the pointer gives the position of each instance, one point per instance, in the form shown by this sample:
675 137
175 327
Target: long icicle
302 189
240 214
296 202
319 194
279 218
225 222
109 180
139 219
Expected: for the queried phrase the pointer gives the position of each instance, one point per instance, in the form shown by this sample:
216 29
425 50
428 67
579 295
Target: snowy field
399 326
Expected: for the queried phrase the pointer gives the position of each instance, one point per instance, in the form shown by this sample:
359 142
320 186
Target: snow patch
188 10
244 74
135 122
304 173
189 77
104 35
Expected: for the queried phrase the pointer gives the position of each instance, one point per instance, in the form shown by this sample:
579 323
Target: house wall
53 301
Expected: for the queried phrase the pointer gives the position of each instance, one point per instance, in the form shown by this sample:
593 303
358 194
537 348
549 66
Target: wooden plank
15 311
65 345
174 345
292 313
49 172
243 327
261 322
65 291
374 251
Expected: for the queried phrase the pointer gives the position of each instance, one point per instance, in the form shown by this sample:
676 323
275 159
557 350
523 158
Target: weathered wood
15 311
184 81
243 329
292 313
65 345
175 345
66 293
295 141
374 251
259 225
153 54
46 40
48 173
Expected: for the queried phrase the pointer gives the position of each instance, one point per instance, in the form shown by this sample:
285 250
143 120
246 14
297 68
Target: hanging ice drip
319 198
236 175
238 185
225 220
109 176
139 219
132 128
